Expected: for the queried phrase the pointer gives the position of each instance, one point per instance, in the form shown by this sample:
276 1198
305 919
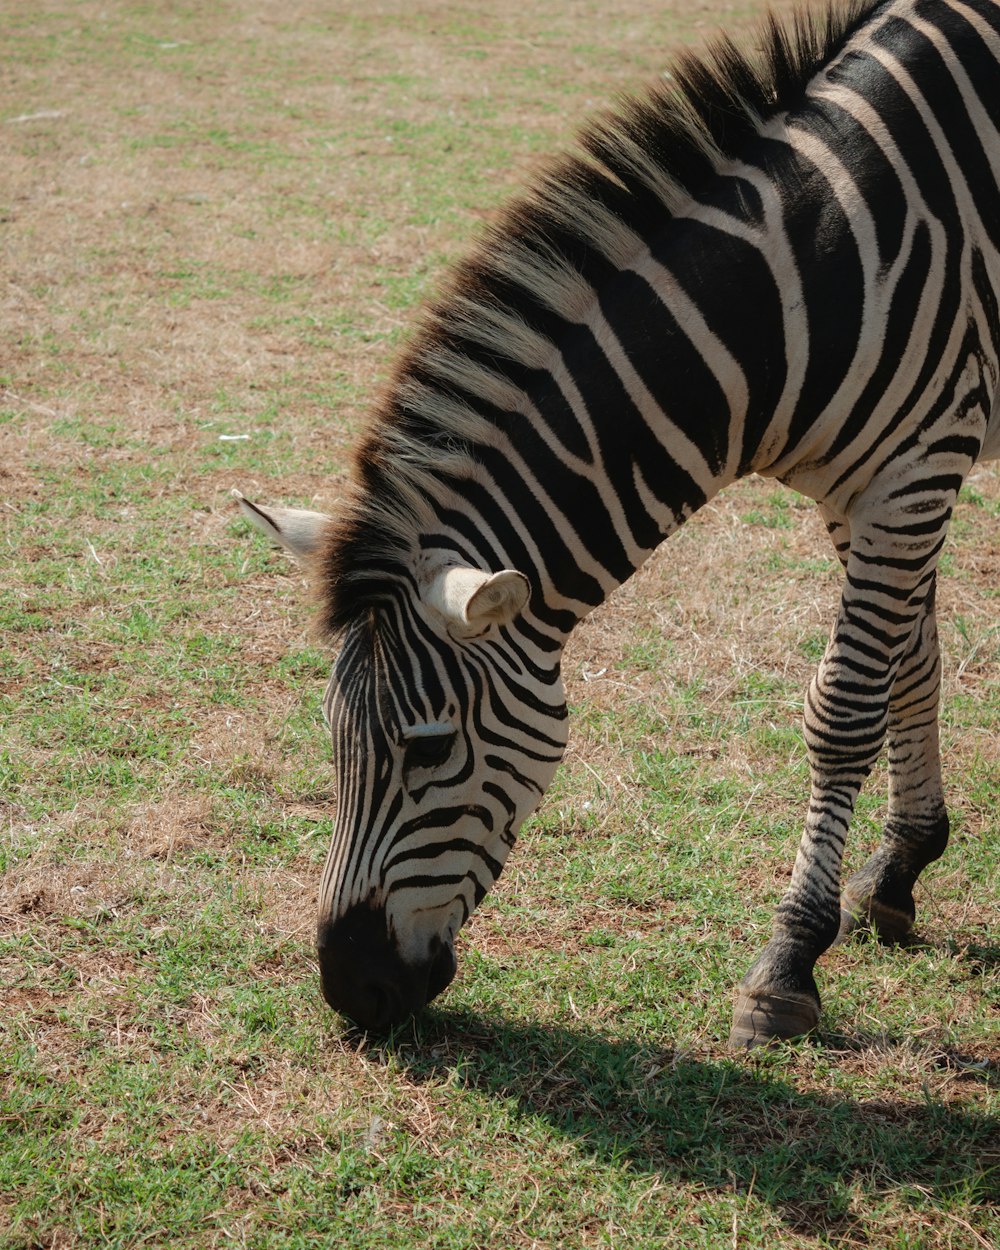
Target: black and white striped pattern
786 265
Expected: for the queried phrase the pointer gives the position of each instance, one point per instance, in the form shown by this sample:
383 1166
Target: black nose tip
363 976
372 1005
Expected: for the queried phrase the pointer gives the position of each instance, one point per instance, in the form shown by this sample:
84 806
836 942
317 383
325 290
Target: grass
218 221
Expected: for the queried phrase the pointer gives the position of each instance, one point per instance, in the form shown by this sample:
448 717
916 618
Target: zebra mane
536 271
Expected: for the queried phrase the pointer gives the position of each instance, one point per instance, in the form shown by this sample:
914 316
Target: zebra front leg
845 722
879 897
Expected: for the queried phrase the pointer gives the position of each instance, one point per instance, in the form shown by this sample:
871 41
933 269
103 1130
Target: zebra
785 263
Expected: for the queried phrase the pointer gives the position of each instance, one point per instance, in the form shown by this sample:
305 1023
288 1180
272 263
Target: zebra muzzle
364 977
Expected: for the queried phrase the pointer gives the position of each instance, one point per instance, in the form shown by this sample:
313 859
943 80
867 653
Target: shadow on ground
732 1126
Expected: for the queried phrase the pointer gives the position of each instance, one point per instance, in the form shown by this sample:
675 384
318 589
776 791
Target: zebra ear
298 531
471 600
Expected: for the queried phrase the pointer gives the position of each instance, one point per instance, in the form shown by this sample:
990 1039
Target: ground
217 222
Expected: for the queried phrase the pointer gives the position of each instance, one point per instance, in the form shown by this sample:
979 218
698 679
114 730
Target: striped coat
786 265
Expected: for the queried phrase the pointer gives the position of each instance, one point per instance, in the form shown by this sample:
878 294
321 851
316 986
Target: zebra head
447 727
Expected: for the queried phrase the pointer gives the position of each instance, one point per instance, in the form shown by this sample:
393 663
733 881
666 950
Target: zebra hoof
760 1019
890 925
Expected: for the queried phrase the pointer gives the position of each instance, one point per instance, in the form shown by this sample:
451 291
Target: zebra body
792 270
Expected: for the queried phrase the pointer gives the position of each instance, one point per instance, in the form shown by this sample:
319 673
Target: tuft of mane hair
535 272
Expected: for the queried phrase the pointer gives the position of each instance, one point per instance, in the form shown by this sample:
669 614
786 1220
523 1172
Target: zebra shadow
819 1160
979 959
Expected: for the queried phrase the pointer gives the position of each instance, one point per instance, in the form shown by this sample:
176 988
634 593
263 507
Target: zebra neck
641 415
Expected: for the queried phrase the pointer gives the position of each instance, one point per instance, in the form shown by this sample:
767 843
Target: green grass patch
218 223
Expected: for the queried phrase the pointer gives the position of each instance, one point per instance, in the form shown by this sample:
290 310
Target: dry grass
217 221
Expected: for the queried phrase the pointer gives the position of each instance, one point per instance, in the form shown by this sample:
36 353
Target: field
217 223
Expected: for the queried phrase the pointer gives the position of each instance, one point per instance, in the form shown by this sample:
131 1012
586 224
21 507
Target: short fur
537 269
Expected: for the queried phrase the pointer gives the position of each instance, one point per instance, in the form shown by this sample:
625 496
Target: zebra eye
429 750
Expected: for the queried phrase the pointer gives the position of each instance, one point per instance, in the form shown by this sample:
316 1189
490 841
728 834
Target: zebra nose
360 973
373 1005
363 976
